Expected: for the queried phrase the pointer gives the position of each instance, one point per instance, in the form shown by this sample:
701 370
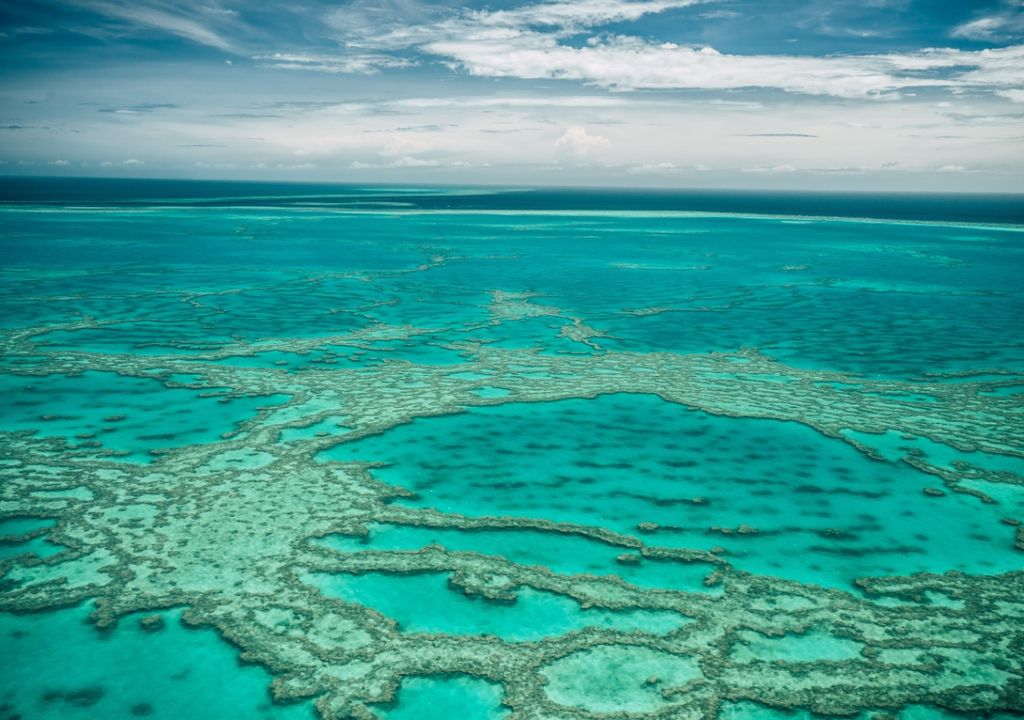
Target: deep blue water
964 208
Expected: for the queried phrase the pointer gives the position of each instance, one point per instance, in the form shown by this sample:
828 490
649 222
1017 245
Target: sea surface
296 451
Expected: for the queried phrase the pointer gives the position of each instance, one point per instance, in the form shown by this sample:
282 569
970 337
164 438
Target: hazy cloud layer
867 94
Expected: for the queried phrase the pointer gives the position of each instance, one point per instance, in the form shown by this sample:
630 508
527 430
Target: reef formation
234 529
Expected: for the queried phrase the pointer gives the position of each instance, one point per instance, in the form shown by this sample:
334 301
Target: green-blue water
146 326
824 513
56 665
425 604
563 554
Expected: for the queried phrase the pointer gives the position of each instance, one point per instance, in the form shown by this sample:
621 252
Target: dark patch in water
863 552
840 535
86 697
159 436
808 489
614 466
679 463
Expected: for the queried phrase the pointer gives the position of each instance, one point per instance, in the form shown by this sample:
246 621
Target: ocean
311 450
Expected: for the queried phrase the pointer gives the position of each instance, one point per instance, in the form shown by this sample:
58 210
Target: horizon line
518 187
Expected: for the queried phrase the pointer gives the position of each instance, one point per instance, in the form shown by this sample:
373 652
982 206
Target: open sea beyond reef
297 451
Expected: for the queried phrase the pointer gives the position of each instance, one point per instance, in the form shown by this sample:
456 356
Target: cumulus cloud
580 142
784 168
628 63
533 42
407 161
662 168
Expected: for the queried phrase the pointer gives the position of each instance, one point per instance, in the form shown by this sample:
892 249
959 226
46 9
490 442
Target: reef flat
556 466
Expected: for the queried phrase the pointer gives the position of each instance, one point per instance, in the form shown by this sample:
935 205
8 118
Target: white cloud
785 168
581 142
407 161
1015 95
60 163
539 101
653 138
360 63
370 23
130 162
403 145
662 167
530 43
1002 24
159 18
628 63
578 13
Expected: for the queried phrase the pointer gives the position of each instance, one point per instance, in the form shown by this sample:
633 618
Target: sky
789 94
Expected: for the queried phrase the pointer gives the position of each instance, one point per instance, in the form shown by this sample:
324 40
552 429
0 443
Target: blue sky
844 94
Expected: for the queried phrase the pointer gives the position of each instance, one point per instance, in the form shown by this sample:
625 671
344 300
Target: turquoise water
425 603
559 553
904 294
39 547
16 537
751 711
823 512
58 666
129 416
466 697
265 403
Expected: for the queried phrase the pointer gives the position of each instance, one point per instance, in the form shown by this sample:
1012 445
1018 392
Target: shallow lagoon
815 509
58 666
426 603
558 552
127 415
430 698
